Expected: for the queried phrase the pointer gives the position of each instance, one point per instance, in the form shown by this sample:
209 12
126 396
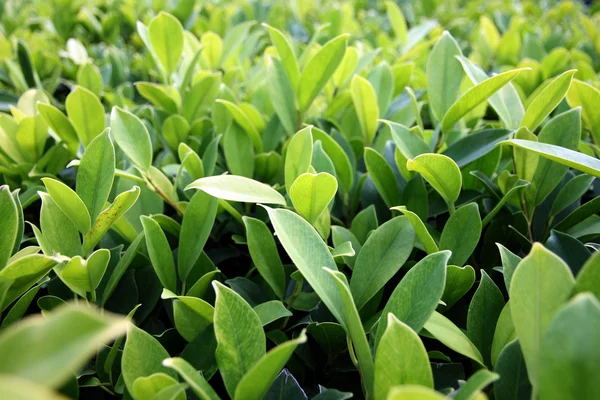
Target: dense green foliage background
299 199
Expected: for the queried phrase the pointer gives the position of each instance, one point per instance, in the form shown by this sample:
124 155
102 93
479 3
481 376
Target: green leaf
401 359
257 381
86 274
298 156
563 130
319 69
509 264
146 387
410 144
199 97
588 278
380 258
237 188
312 193
503 334
444 74
67 200
71 335
461 233
418 293
421 231
569 352
166 38
238 151
282 94
108 217
450 335
244 121
60 235
10 225
265 256
514 383
160 253
383 177
198 384
161 96
397 21
547 100
192 315
143 356
196 225
484 311
271 311
441 172
573 159
24 273
60 124
365 104
341 235
286 54
477 95
88 76
571 192
541 284
458 282
131 135
586 96
356 331
86 113
310 254
96 173
240 336
343 168
475 145
506 102
15 388
414 392
472 389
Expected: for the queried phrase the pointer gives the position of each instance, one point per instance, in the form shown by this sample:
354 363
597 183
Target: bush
299 200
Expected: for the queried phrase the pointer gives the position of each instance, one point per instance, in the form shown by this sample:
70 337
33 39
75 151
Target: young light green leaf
475 96
286 54
96 173
143 356
160 253
541 284
569 351
238 188
146 387
310 254
458 282
108 217
461 233
319 69
397 21
166 38
131 135
441 172
380 258
192 315
312 193
343 168
86 113
67 200
298 156
196 225
24 273
10 223
71 335
503 334
573 159
547 100
60 124
588 278
240 336
410 144
401 359
450 335
418 293
365 104
383 177
444 74
509 264
586 96
414 392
